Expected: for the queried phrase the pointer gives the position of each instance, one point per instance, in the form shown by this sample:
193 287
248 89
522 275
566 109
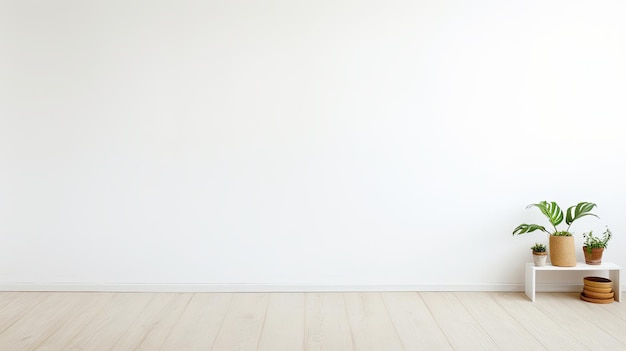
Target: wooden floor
308 321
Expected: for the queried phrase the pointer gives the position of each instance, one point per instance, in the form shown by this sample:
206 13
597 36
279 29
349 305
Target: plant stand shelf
612 268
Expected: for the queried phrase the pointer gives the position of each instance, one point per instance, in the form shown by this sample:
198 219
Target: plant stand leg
530 282
617 287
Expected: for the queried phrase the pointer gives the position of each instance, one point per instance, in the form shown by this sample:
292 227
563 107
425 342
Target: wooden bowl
597 290
590 299
597 295
597 282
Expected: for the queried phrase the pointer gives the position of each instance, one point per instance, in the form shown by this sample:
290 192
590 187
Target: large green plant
555 215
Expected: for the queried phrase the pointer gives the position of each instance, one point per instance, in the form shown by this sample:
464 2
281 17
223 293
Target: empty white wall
303 143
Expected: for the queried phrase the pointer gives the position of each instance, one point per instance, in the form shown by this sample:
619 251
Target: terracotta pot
540 258
562 251
595 257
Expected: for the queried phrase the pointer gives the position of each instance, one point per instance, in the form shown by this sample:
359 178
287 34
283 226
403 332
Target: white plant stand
612 268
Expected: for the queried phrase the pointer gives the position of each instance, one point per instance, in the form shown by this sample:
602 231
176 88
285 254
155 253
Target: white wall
291 142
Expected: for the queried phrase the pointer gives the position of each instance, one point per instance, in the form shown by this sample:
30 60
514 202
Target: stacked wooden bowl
597 290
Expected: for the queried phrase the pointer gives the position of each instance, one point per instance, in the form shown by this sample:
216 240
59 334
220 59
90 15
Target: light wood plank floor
64 321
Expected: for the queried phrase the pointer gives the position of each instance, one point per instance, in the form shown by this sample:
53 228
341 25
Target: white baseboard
109 287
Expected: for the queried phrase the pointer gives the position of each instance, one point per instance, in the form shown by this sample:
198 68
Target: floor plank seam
25 312
594 322
304 333
69 340
345 310
548 316
395 327
154 296
506 310
435 320
230 302
147 331
477 322
193 295
46 338
267 305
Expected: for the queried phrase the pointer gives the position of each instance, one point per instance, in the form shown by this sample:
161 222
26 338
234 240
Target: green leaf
578 211
528 228
550 210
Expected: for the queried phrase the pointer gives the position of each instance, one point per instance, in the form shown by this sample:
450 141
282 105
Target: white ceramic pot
539 258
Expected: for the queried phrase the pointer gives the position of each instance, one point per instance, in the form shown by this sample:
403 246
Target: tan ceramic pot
562 251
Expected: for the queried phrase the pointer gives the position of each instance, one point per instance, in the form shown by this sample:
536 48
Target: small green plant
538 247
555 215
593 242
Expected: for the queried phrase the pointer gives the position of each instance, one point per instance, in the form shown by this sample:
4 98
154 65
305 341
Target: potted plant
540 255
562 251
594 246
